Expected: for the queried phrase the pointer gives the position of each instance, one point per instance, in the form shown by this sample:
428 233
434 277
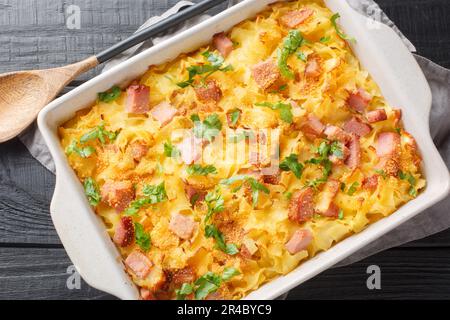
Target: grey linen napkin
426 223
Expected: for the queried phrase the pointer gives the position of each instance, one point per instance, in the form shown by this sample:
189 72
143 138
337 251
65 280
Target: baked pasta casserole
227 167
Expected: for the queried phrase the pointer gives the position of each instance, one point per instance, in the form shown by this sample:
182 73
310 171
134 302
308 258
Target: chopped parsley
279 89
323 150
83 152
99 133
152 195
412 181
92 192
209 128
341 214
198 170
110 95
352 189
211 231
325 39
254 185
285 109
302 56
170 150
336 150
341 34
215 204
291 43
381 173
206 284
234 116
291 163
205 70
143 239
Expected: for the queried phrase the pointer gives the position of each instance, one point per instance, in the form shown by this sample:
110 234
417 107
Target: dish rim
121 286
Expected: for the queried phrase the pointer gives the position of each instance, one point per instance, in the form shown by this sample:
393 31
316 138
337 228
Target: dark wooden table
33 263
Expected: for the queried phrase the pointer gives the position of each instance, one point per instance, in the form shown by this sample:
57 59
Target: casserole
79 230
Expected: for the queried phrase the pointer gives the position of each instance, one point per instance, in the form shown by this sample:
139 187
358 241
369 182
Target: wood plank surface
33 264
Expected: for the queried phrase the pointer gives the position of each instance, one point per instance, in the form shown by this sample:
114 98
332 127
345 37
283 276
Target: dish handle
79 231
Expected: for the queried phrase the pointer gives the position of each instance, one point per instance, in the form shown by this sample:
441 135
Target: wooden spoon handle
159 27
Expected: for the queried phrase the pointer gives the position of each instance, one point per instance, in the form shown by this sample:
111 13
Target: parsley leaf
170 150
209 283
152 195
83 152
216 63
255 186
381 173
341 34
412 181
291 164
209 128
92 192
211 231
336 150
215 204
99 133
186 289
142 238
229 273
285 109
302 56
110 95
291 43
341 214
234 116
198 170
352 189
325 39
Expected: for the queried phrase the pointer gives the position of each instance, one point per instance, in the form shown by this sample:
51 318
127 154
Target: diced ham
299 241
354 157
194 196
266 74
147 294
359 100
139 264
293 19
138 98
327 195
164 113
388 148
334 133
117 194
191 149
223 44
138 150
272 179
301 205
356 126
312 69
388 143
182 226
209 92
370 183
124 234
312 127
332 211
376 115
185 275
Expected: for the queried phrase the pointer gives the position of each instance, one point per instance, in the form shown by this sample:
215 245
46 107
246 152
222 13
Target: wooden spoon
24 93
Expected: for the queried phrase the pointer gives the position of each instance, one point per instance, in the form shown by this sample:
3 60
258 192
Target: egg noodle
239 227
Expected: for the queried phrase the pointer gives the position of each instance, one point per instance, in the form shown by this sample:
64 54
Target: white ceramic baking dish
380 51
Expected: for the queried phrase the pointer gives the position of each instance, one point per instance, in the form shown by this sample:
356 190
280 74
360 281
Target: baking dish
380 51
